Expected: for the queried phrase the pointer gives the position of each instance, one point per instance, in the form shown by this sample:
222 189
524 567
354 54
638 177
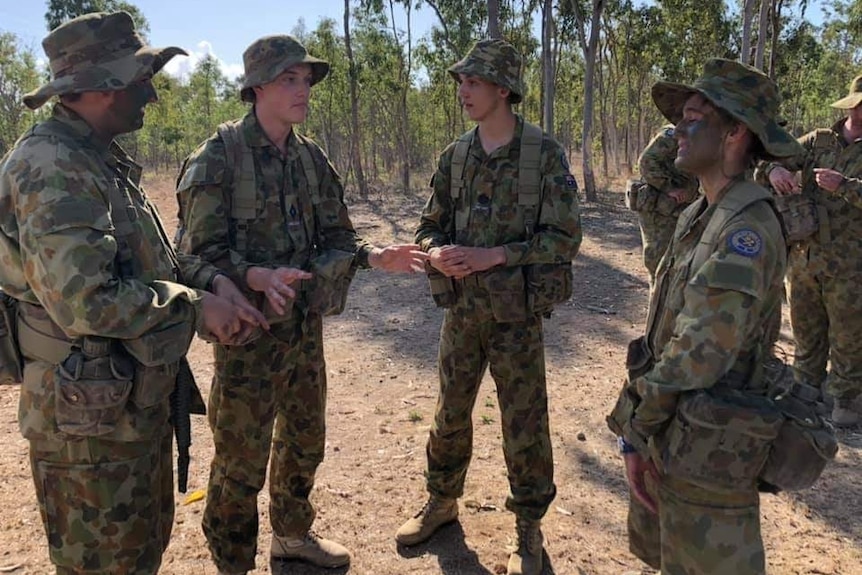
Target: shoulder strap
239 168
309 168
530 175
457 183
739 197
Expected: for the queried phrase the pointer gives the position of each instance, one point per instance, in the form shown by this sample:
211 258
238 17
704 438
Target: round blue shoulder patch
745 242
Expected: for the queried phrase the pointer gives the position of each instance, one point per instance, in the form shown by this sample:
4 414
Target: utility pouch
507 292
332 272
720 440
666 205
799 214
442 288
633 188
92 387
805 444
639 358
547 285
11 362
157 355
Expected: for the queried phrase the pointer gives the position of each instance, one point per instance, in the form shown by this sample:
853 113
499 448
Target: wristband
625 446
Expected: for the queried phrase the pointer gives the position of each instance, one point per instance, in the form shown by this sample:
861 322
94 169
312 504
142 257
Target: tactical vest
239 169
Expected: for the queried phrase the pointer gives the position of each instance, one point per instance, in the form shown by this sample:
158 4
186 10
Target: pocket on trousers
720 441
506 289
102 516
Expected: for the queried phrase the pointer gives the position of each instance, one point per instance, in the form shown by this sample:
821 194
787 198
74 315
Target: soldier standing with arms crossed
825 263
502 219
694 499
103 323
662 197
264 204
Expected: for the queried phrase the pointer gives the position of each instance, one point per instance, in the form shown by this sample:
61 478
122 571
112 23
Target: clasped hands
460 261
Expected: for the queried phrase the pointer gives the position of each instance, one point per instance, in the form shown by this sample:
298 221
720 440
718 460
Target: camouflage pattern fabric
97 52
697 530
496 61
279 380
472 339
658 218
825 270
289 366
269 56
706 325
59 250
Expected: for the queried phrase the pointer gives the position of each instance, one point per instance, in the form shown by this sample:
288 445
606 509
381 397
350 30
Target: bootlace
529 536
431 505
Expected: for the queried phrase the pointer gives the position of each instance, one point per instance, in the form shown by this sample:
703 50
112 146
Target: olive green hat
853 99
743 92
496 61
269 56
97 52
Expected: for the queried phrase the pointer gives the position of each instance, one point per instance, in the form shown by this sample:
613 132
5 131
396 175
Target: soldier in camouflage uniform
482 242
270 395
666 194
825 268
103 323
692 418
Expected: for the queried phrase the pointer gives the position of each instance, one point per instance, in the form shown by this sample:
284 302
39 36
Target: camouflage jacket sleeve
68 250
801 162
719 320
558 232
656 165
204 205
332 219
437 222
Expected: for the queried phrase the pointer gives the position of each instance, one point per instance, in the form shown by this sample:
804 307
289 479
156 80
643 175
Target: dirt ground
382 386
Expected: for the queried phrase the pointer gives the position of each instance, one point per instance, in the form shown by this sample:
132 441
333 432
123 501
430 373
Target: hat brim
107 76
462 67
319 71
670 97
848 102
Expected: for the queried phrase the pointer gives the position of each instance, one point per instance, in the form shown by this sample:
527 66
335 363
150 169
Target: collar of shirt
255 137
478 152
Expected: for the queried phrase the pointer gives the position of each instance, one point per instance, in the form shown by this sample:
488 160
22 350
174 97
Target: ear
503 93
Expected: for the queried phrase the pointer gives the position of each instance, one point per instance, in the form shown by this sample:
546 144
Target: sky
222 28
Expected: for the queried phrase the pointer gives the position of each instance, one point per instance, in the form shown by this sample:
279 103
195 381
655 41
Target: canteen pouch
92 386
798 213
639 359
11 362
805 444
157 355
633 195
332 272
442 289
506 290
720 440
547 286
666 205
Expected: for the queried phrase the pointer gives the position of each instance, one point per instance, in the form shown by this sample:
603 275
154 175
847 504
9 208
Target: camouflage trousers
697 530
656 235
470 341
107 506
267 395
826 316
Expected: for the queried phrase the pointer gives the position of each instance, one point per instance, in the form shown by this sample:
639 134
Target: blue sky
218 27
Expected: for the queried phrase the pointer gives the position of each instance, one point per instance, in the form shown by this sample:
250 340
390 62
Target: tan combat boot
527 558
311 549
437 512
847 412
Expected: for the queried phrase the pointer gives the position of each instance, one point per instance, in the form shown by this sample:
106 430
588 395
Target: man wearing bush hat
500 228
825 266
104 317
269 397
694 504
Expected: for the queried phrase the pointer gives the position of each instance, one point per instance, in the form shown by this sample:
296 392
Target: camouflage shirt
835 250
656 166
492 197
707 323
59 245
283 233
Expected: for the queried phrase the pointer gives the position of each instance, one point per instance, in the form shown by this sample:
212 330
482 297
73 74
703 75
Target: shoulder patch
746 243
571 183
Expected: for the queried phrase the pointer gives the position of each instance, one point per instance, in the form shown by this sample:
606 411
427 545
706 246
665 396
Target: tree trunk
404 78
777 5
747 18
355 139
494 19
548 74
762 32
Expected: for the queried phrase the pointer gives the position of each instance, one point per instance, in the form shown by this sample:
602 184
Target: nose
150 94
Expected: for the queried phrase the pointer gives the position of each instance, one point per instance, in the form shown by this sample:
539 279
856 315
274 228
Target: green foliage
18 75
60 11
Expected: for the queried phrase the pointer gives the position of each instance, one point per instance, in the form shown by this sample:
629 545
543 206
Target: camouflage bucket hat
853 99
269 56
97 52
743 92
496 61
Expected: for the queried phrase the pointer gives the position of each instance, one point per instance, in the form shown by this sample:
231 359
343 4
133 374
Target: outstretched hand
275 284
398 258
